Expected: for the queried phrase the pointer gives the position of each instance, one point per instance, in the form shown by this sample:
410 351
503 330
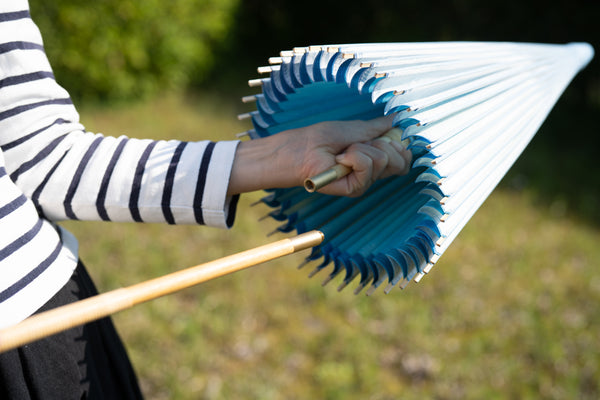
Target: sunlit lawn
510 311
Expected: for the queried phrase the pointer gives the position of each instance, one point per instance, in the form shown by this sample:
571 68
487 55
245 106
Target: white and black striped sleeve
73 174
121 179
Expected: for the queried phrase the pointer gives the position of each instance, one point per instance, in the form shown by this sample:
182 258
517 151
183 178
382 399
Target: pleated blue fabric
468 109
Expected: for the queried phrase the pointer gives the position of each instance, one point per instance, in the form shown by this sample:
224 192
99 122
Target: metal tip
327 280
403 284
303 263
249 99
359 288
255 82
388 288
242 135
264 216
330 277
257 202
428 268
418 277
264 70
371 290
343 285
273 232
314 272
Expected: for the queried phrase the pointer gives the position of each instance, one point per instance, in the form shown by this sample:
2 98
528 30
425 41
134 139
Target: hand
287 158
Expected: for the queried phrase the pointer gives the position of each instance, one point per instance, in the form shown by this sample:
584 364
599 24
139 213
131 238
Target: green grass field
509 312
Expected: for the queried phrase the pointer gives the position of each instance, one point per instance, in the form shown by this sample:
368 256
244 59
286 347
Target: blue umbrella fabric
468 110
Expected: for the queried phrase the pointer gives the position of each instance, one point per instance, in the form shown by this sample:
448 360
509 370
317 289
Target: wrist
262 164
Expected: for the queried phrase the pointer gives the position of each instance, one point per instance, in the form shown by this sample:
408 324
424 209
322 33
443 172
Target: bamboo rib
81 312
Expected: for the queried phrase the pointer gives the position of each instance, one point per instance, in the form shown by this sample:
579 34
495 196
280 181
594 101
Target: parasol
467 110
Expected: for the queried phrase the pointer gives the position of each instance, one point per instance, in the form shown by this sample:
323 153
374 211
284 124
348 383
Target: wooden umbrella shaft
96 307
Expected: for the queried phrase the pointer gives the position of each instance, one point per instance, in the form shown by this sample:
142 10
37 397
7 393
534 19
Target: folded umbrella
467 111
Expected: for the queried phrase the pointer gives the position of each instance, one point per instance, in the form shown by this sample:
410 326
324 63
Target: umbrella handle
59 319
326 177
338 171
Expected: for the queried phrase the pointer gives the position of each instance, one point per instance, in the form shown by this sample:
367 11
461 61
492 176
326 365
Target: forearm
263 163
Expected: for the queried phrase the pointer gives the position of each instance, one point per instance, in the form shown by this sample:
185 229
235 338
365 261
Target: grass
510 311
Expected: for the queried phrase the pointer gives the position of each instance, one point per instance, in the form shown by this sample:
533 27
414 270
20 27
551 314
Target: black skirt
86 362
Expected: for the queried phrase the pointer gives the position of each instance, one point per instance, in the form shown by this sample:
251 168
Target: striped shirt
52 169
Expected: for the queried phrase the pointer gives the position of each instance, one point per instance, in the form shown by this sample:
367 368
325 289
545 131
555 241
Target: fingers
314 149
372 129
398 158
370 161
344 133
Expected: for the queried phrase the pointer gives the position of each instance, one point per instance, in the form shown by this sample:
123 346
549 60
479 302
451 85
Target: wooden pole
75 314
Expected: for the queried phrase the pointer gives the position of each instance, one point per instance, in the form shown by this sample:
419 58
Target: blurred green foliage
113 49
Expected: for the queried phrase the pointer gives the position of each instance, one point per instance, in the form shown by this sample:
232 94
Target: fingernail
340 158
